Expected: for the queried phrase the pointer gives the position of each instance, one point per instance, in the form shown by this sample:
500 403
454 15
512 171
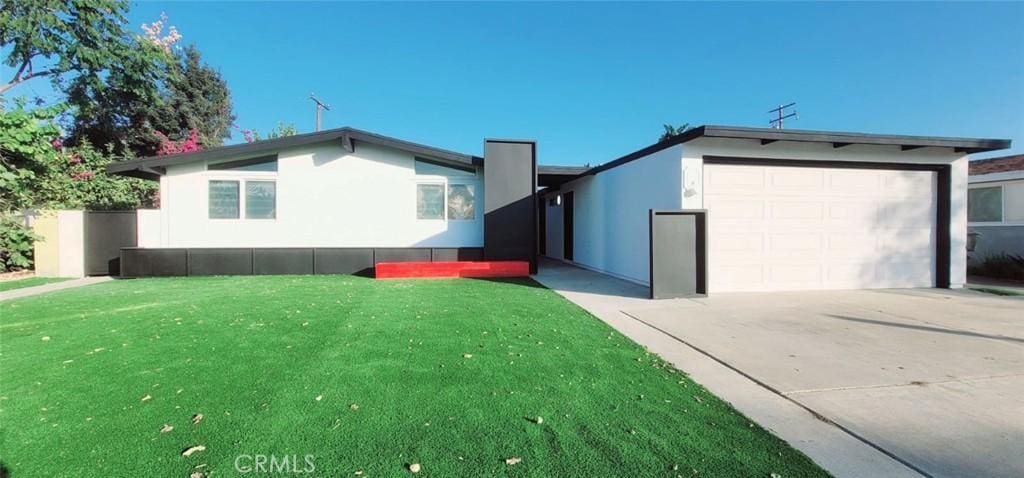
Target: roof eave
146 167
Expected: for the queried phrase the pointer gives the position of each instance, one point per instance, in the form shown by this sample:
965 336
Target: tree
672 131
25 137
197 98
192 97
38 171
56 39
279 131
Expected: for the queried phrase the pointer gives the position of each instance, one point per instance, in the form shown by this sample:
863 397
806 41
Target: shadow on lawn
523 281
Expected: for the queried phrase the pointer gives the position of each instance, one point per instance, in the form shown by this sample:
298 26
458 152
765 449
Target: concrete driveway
933 378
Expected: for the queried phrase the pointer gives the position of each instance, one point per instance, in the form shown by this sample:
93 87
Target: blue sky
591 82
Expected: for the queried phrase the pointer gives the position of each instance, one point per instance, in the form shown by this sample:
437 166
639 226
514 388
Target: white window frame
242 177
437 181
445 182
1002 205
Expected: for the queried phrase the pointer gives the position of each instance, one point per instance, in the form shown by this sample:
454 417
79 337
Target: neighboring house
995 206
785 209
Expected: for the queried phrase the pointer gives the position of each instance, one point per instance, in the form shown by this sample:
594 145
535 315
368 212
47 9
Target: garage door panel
740 244
736 179
799 210
797 181
794 244
819 228
854 181
742 210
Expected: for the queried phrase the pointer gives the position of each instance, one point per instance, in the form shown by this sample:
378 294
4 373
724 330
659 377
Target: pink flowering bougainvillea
187 145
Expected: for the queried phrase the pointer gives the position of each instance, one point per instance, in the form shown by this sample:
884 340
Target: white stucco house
995 211
777 209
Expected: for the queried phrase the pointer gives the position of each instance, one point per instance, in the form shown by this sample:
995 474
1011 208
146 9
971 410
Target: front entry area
798 227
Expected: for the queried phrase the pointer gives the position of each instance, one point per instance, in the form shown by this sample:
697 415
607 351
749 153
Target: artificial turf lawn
446 373
29 282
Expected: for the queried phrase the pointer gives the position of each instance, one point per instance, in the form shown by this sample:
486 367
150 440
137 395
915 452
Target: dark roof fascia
907 143
561 170
771 135
654 148
347 136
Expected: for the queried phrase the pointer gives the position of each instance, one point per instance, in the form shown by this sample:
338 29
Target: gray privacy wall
678 251
510 207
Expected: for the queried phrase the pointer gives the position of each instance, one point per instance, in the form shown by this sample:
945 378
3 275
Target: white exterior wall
326 197
71 243
149 230
695 150
611 227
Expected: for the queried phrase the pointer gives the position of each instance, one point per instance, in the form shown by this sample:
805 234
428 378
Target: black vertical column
510 201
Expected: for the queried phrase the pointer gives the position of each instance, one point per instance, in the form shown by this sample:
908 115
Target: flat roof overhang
837 139
555 176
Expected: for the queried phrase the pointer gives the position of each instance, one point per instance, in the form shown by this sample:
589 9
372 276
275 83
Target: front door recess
567 217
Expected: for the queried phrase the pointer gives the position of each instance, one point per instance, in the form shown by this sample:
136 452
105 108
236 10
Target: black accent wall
510 201
149 262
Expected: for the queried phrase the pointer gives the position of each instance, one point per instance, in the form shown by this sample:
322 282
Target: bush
1000 266
16 243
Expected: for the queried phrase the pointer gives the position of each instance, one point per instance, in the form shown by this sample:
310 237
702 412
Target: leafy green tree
37 171
26 136
672 131
280 131
77 40
77 179
191 96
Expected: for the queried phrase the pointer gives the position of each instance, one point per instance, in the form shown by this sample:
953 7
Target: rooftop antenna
780 115
320 106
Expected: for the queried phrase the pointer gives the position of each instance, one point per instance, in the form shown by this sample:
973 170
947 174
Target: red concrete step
396 270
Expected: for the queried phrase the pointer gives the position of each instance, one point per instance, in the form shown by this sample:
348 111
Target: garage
803 227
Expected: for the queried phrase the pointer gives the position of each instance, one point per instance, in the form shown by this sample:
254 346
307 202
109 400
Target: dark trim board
943 192
163 262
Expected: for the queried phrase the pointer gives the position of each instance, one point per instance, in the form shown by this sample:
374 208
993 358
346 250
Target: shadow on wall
907 248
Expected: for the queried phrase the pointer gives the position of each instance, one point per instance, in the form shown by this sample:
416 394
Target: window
223 200
985 204
260 200
461 202
429 201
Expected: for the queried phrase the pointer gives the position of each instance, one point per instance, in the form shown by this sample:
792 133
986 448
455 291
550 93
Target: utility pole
780 115
320 106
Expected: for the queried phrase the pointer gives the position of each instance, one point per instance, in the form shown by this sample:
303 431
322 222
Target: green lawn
364 375
29 282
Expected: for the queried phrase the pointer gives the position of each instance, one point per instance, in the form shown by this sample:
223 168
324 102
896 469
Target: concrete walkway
832 447
42 289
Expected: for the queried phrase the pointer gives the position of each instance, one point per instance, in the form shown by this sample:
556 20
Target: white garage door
797 228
